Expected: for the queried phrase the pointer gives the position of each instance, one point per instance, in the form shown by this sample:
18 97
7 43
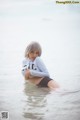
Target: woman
34 69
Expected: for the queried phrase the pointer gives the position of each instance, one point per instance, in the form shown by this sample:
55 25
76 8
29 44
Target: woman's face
33 54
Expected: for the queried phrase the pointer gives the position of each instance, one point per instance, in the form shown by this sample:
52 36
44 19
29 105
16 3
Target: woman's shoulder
38 59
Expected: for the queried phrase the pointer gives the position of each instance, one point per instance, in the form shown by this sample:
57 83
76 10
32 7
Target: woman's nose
34 55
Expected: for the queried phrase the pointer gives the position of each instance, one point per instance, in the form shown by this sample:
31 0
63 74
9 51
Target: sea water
56 27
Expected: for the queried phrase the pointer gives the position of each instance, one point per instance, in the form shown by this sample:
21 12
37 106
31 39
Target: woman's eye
37 53
32 52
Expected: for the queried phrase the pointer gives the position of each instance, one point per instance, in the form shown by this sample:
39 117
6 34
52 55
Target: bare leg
53 85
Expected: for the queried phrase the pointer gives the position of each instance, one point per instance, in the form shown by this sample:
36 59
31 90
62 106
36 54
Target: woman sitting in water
34 69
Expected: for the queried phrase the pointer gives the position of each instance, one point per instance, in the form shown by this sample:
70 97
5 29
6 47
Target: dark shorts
44 82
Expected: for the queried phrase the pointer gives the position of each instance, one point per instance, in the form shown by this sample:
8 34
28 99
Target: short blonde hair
33 46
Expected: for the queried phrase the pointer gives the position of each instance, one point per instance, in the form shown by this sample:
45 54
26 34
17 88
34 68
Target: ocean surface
57 28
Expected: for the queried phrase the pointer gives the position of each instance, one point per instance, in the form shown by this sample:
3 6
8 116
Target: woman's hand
27 74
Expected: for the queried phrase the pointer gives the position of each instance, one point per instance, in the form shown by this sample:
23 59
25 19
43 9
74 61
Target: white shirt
36 67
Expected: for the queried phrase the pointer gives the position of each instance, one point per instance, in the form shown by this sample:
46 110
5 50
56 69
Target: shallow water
57 29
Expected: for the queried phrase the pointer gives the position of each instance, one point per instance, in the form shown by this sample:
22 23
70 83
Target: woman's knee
53 84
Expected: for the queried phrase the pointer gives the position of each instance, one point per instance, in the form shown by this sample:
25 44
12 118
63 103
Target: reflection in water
42 104
35 104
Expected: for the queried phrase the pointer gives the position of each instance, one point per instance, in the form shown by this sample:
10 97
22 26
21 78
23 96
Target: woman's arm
27 74
42 69
25 66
